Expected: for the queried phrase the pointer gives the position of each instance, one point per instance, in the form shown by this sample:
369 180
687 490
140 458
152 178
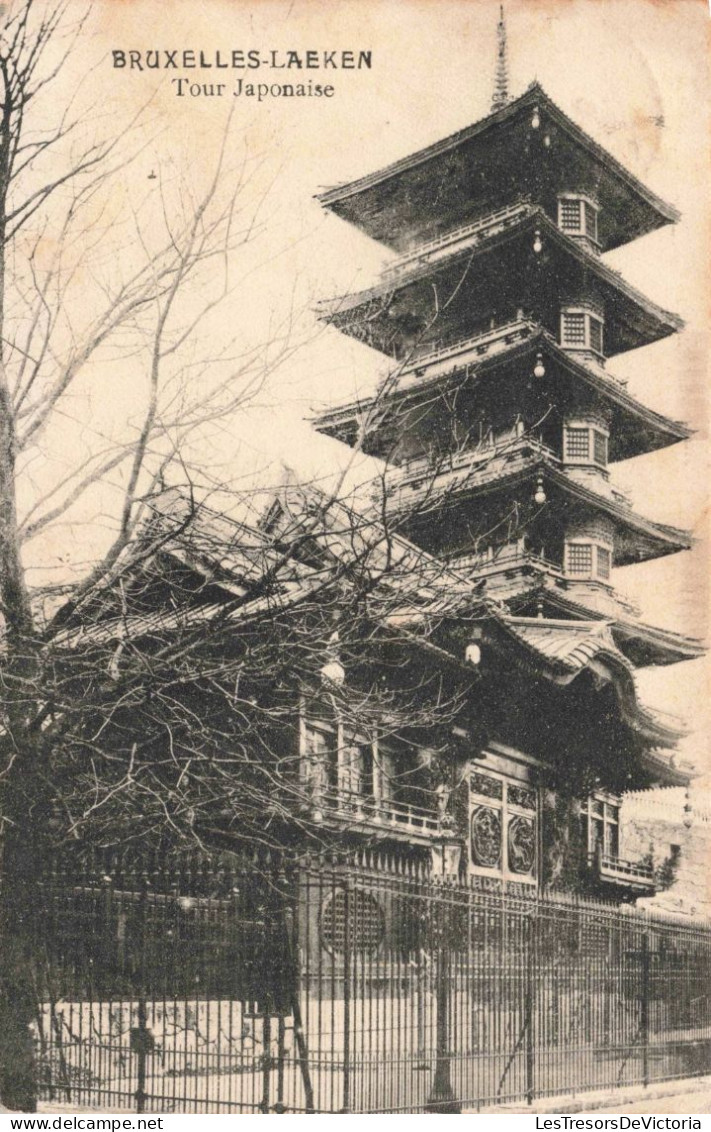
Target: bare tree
67 308
157 694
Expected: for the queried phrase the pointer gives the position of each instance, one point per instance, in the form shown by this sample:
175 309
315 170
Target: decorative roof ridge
177 498
594 625
443 590
534 92
597 636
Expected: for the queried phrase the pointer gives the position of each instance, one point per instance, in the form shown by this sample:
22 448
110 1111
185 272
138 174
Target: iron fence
251 985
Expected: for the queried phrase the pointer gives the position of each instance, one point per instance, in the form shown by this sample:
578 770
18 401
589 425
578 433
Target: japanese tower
501 422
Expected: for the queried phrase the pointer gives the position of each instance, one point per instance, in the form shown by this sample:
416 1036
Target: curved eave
636 429
668 539
650 539
663 769
634 319
642 644
646 645
574 647
628 413
378 203
565 647
660 431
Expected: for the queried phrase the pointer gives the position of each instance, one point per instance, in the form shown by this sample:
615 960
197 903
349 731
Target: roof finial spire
501 82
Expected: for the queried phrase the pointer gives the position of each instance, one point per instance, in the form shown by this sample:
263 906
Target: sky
632 73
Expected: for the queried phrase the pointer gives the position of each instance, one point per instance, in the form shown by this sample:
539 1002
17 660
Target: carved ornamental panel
503 827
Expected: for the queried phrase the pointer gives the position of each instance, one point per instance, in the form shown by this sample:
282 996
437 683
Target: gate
250 985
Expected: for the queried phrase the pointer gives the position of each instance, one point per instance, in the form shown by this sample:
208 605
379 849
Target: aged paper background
633 73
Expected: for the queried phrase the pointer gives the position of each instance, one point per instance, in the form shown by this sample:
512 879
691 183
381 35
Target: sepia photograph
354 571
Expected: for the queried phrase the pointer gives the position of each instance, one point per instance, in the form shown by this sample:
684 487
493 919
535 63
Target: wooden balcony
467 234
509 451
616 871
359 812
471 348
509 561
496 455
510 570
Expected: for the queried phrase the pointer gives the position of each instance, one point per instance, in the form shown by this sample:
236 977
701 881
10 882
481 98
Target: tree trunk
18 1070
25 813
18 990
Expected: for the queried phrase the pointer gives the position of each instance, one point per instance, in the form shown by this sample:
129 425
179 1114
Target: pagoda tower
501 421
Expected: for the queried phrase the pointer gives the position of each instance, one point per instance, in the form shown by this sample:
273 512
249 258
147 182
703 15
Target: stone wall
672 829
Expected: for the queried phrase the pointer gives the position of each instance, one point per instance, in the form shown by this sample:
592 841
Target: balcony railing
512 566
509 558
621 498
507 451
468 233
475 347
382 814
615 870
473 465
506 334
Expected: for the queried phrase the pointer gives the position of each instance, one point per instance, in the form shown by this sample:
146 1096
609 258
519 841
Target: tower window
580 558
577 216
588 560
569 215
595 335
573 329
590 221
581 330
584 444
577 443
603 562
600 447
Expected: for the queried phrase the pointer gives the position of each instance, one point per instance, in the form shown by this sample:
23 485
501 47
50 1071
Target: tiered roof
504 355
469 310
641 643
564 649
418 492
434 301
487 165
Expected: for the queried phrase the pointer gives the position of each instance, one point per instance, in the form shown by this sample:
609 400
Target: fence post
266 1057
644 1013
442 1098
347 999
529 1007
141 1037
292 942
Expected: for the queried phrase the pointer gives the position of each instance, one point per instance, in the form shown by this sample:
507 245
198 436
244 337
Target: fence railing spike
388 964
